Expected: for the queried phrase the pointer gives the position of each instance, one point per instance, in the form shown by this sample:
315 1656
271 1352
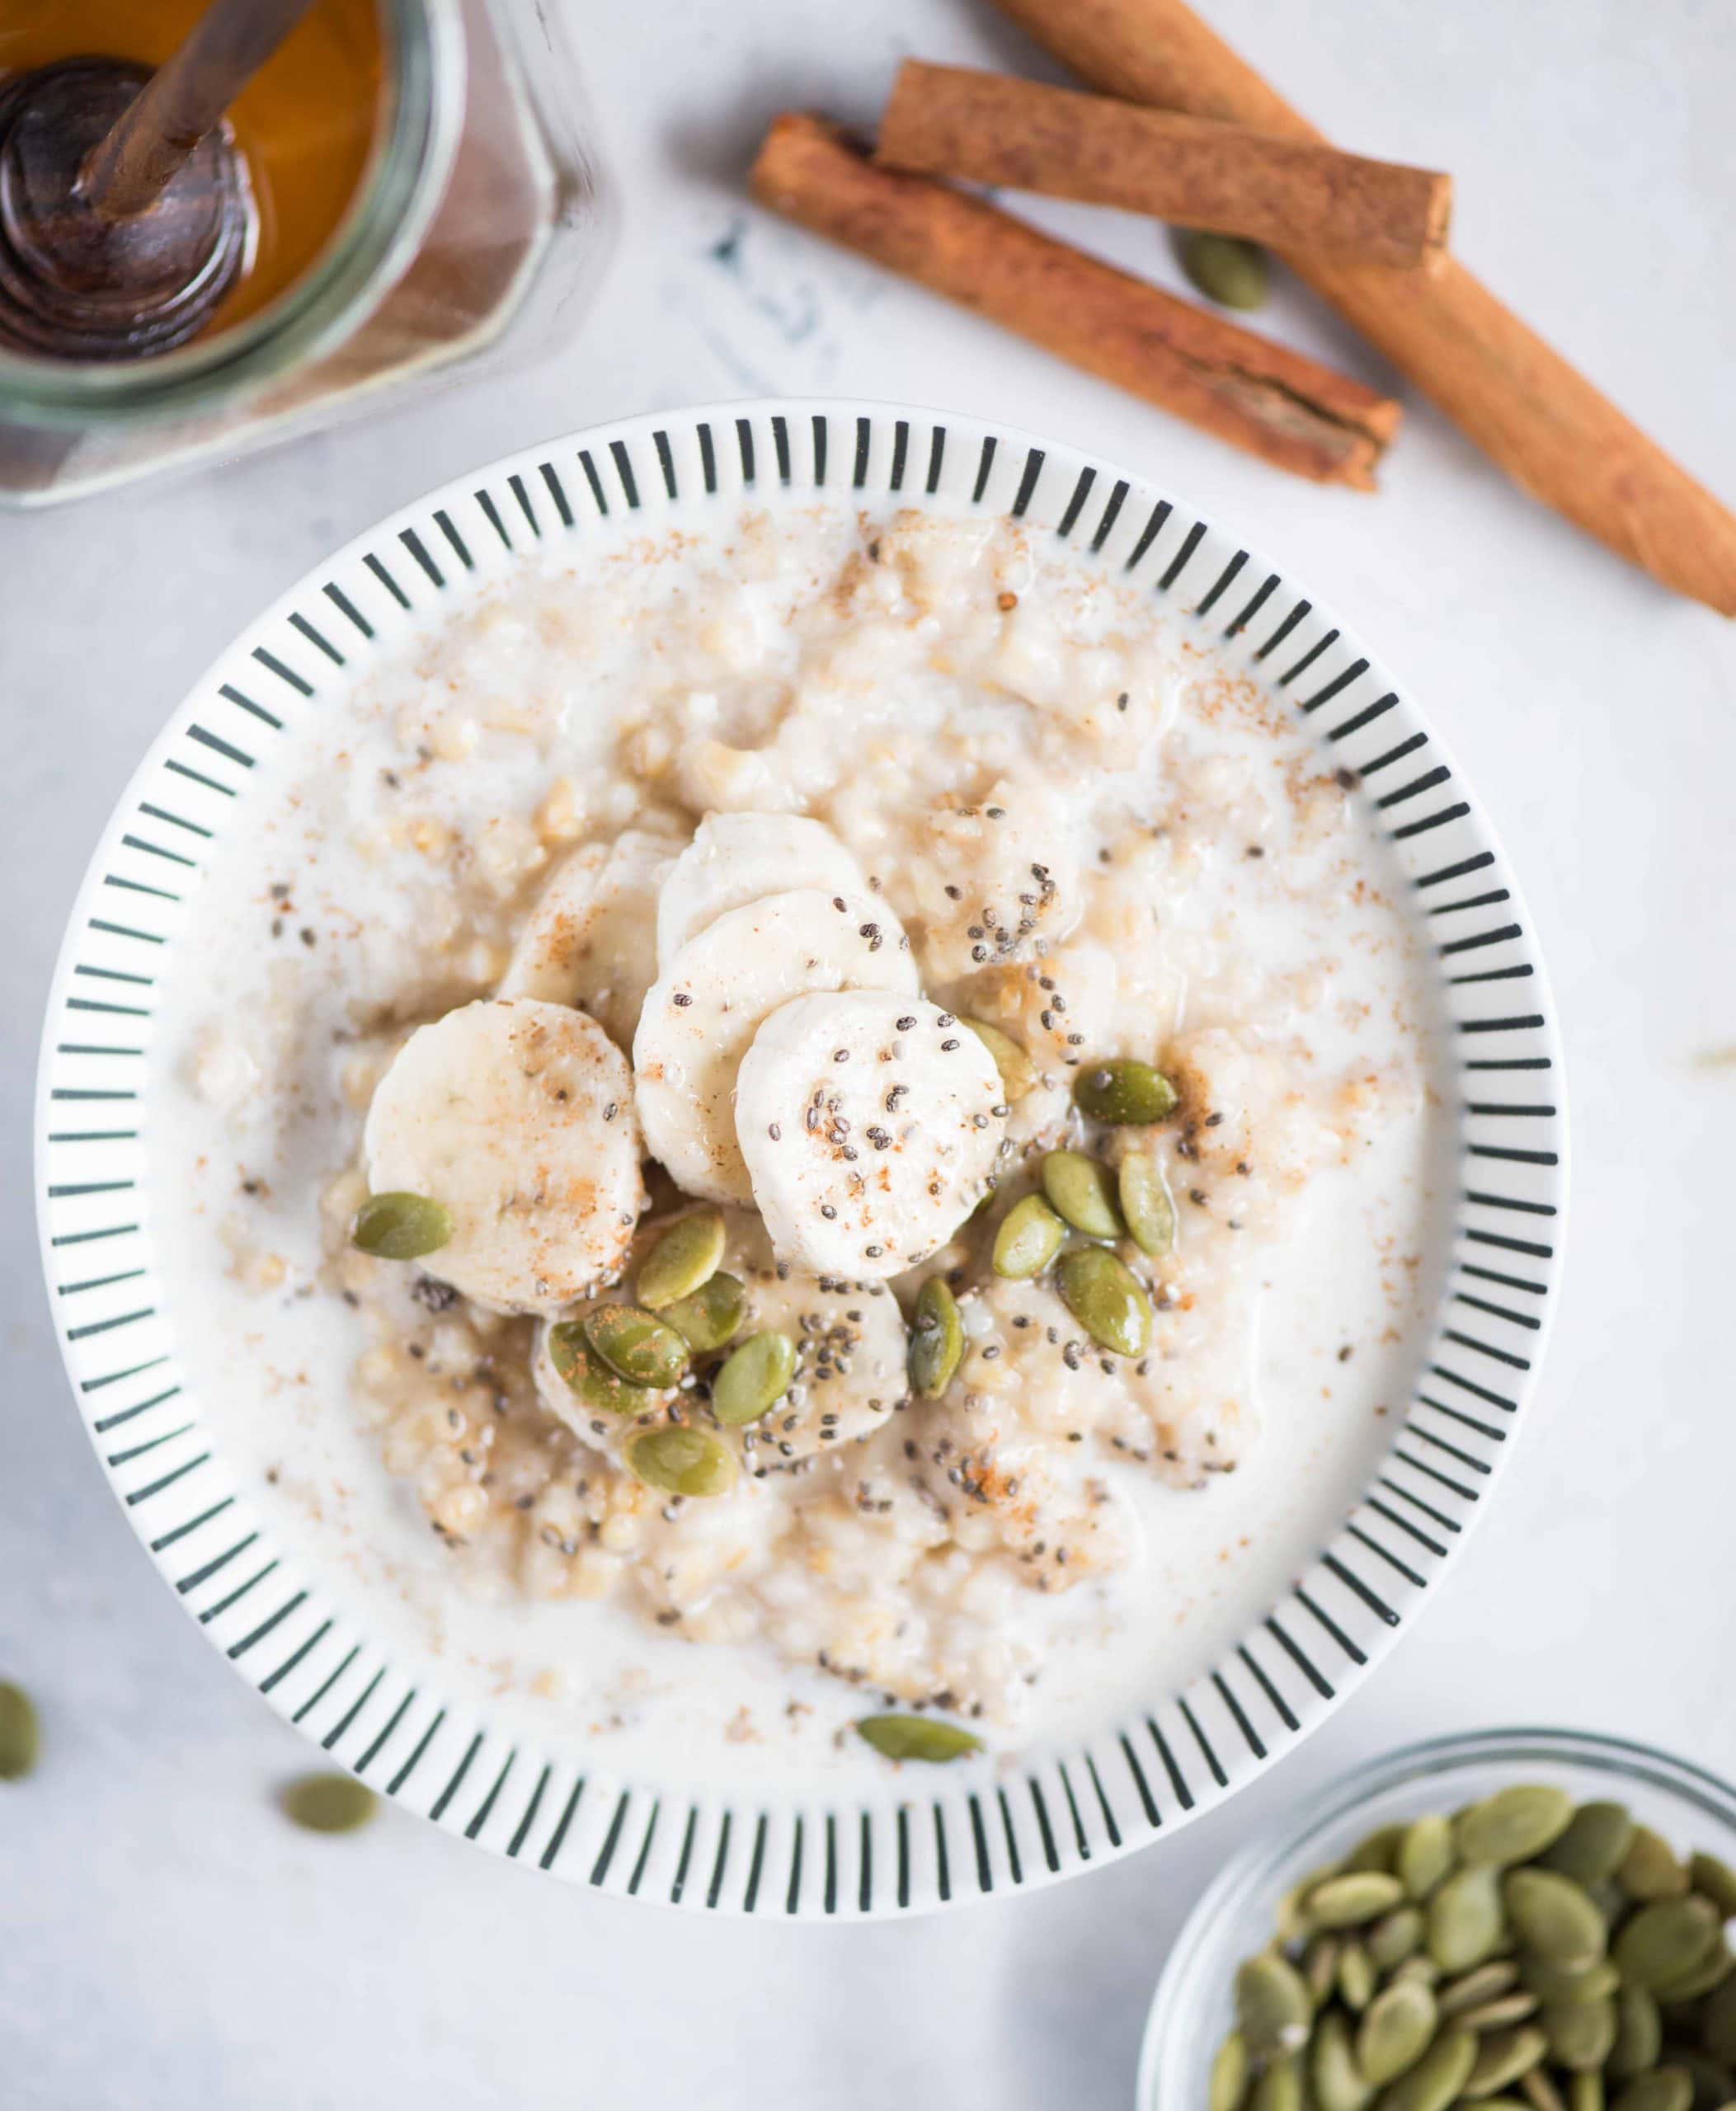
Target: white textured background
165 1939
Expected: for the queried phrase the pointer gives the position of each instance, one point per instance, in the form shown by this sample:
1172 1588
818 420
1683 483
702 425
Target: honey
304 124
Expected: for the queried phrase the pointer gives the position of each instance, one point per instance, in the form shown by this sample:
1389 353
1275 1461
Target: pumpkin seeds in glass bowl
1532 1980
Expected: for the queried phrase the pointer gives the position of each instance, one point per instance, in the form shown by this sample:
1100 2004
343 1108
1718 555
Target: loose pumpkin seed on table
926 1738
328 1803
21 1735
1224 267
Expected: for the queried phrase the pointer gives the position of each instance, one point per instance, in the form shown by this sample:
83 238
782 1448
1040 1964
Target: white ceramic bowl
435 1740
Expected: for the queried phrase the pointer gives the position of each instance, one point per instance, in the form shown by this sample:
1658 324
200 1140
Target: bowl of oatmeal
845 1166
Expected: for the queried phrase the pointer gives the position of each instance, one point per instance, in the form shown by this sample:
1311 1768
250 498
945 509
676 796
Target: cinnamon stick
1274 403
1552 432
1193 171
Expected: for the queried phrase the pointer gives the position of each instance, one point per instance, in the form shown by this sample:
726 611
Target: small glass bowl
1191 2011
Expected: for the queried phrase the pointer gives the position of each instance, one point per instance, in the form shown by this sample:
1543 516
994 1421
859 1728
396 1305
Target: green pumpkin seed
1339 2084
1399 1935
1715 1880
1639 2033
21 1732
1225 268
1487 1983
1541 2092
1144 1196
1504 2058
1350 1900
1421 1967
1379 1850
1357 1979
688 1255
328 1803
1279 2088
1082 1190
1292 1924
1650 1869
1425 1855
1590 1850
1395 2032
1029 1237
937 1339
1585 2091
1712 1971
1497 2014
679 1459
1017 1072
1436 2078
1229 2083
1273 2009
926 1738
1580 2033
1320 1967
398 1226
707 1318
1659 2088
1123 1090
1718 2023
1465 1923
1556 1982
754 1379
636 1346
1514 1824
1106 1298
1554 1916
1665 1939
589 1377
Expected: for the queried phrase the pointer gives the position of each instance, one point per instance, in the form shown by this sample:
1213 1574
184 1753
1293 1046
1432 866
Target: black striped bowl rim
926 1839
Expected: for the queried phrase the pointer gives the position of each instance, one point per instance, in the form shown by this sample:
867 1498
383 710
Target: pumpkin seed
1396 1937
1718 2023
707 1318
1639 2033
1659 2088
937 1339
1351 1900
754 1379
1487 1983
1144 1196
1357 1979
1497 2014
1552 1916
398 1226
1082 1190
1580 2033
1029 1237
1229 2083
1379 1850
587 1374
1291 1923
926 1738
1664 1940
1279 2088
636 1346
21 1732
1106 1298
1396 2031
1585 2091
1421 1967
1540 2092
1017 1072
1273 2009
1591 1850
1715 1968
1714 1879
1650 1869
1123 1090
680 1460
1425 1854
1225 268
1504 2058
1464 1919
686 1257
1320 1967
1514 1824
1436 2078
328 1803
1339 2084
1556 1982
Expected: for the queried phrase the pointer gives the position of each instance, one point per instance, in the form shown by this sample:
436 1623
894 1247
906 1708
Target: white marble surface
165 1940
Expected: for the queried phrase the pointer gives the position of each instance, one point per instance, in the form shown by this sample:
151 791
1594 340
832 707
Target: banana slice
588 942
869 1124
705 1008
519 1117
737 858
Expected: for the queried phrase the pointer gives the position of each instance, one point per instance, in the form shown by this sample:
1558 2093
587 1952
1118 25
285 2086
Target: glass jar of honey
422 194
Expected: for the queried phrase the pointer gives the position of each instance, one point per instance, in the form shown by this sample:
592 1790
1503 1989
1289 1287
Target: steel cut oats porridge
798 1066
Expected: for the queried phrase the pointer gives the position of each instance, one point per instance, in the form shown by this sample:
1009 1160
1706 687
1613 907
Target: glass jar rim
377 238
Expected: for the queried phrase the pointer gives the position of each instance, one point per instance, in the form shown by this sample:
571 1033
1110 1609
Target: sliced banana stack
868 1123
711 998
737 859
517 1118
589 941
